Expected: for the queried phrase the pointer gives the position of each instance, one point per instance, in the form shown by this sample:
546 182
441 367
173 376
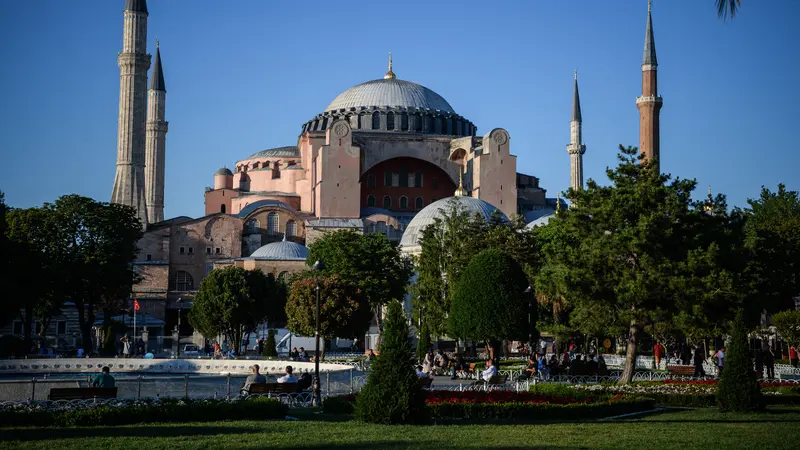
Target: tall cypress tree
392 394
738 389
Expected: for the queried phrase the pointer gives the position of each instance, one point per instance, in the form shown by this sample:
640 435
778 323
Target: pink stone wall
217 198
340 185
495 173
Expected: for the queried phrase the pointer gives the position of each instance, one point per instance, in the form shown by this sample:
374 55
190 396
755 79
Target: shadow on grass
44 434
411 444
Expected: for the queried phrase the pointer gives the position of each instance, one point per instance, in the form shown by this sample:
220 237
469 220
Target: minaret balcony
649 99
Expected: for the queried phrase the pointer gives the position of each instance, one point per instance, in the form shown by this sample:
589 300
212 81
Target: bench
685 371
425 382
81 393
274 388
468 371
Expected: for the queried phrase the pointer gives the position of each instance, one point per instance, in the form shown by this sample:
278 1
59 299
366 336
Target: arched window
252 225
418 123
276 170
387 202
390 121
272 223
419 203
325 123
182 281
371 180
403 202
282 276
404 122
222 209
376 121
442 125
291 228
370 200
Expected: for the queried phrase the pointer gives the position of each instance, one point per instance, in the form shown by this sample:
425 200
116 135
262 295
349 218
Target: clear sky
244 75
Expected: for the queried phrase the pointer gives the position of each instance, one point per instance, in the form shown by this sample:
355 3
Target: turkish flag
136 304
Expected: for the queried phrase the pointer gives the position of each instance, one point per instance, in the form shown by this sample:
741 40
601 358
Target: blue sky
243 76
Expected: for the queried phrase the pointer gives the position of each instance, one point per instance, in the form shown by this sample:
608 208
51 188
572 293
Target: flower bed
122 412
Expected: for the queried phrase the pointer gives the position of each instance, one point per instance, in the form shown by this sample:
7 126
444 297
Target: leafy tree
727 8
787 323
489 304
94 245
232 302
633 245
738 389
424 343
269 346
369 261
392 394
343 311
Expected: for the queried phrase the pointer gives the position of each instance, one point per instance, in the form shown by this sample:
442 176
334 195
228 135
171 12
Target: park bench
684 371
86 393
467 372
425 382
274 388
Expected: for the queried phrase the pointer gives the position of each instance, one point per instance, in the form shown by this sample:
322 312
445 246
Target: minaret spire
133 61
155 144
389 74
650 102
576 148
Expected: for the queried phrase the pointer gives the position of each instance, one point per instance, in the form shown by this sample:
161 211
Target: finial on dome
460 191
390 75
284 237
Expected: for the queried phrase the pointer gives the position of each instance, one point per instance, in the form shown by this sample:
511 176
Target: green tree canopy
490 303
343 311
369 261
738 389
787 323
233 301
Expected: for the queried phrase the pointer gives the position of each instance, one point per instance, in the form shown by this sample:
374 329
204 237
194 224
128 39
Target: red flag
136 304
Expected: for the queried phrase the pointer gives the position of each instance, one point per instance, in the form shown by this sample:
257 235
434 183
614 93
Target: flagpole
134 322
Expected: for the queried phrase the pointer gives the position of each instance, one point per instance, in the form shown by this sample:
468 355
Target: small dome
224 171
282 251
541 220
437 209
390 92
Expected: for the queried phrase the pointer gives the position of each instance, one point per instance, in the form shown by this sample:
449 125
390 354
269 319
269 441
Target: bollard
229 385
351 380
33 389
139 387
186 385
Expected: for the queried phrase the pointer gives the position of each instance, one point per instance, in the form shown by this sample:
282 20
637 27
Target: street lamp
529 294
180 310
317 267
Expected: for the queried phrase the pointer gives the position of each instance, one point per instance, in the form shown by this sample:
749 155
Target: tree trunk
322 349
630 354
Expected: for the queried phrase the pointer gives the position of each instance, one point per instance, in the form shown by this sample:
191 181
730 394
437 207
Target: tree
6 313
370 261
738 389
423 344
392 394
94 245
270 346
343 311
632 245
727 8
489 304
232 302
787 323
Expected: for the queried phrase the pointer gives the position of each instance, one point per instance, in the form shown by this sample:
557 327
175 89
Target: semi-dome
438 209
282 251
390 92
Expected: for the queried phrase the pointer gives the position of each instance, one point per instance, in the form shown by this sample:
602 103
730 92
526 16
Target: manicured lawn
702 428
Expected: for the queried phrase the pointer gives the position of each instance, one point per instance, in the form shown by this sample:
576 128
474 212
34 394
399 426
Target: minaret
650 102
133 64
155 145
576 149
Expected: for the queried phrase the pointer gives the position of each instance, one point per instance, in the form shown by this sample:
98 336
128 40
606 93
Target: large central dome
390 92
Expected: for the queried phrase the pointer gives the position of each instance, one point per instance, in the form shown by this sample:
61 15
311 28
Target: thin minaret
650 102
155 146
576 148
129 184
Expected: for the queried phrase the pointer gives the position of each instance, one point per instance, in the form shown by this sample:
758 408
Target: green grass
700 428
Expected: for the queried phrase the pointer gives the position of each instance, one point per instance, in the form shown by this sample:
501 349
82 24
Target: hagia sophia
383 157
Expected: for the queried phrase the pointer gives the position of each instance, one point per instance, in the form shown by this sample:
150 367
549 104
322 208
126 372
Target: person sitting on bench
103 379
491 370
288 378
255 378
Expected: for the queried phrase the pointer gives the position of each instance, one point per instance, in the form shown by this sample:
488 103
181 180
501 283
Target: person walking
126 346
720 355
793 356
698 358
769 361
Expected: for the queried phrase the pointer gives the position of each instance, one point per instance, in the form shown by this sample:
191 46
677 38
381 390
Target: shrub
339 404
392 394
738 389
269 346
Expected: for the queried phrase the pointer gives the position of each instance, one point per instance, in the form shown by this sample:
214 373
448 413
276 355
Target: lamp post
180 310
529 294
317 267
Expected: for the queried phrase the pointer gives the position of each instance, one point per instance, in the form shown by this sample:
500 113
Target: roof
168 222
282 251
280 152
649 43
136 5
541 220
157 77
335 223
576 103
247 210
531 216
390 92
223 171
438 209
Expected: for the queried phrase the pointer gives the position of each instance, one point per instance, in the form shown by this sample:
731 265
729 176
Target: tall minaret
576 148
155 146
133 64
650 102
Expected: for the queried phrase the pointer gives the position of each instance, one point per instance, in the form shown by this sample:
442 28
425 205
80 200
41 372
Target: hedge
126 412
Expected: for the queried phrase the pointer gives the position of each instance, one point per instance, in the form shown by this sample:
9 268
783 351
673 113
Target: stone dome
224 171
410 240
390 92
541 220
282 251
